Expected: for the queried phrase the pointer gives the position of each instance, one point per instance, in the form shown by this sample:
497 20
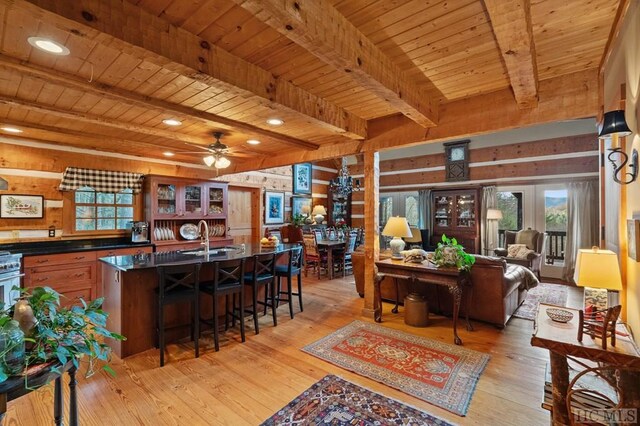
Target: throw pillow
523 253
514 249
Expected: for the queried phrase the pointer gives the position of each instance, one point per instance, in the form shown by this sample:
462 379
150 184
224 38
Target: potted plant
298 220
60 333
451 254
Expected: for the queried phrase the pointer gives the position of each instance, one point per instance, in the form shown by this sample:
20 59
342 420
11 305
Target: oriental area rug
335 401
551 294
441 374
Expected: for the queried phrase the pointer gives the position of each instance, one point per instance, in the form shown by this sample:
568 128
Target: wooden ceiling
326 67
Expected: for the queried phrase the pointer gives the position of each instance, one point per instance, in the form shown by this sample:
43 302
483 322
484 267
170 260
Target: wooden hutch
170 203
456 213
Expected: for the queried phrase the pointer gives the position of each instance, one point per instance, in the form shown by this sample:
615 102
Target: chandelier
343 184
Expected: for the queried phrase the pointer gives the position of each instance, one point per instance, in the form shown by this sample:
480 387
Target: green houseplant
63 334
451 254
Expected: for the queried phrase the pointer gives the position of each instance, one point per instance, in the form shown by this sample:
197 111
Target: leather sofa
498 289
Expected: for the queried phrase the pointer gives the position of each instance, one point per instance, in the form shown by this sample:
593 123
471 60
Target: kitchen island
130 284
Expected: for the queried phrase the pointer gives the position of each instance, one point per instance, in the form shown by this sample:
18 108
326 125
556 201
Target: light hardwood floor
246 383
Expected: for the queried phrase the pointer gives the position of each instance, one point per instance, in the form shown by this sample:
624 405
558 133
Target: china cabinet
339 209
456 213
174 206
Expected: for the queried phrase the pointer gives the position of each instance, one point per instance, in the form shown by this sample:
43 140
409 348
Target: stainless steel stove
9 277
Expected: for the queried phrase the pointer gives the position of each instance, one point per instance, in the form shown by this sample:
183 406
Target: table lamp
318 213
398 228
598 271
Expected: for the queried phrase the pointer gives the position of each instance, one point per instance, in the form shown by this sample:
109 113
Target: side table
561 339
37 376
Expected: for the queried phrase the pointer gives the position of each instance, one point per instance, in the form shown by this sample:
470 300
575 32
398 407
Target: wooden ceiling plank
322 30
511 22
132 98
134 31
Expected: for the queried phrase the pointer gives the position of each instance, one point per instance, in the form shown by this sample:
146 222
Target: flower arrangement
52 333
451 254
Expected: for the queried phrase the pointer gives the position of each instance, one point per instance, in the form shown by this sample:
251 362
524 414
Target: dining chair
262 275
293 268
312 257
342 257
228 280
178 284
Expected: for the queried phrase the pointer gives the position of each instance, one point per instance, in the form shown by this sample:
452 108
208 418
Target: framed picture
14 206
298 205
273 207
302 178
633 239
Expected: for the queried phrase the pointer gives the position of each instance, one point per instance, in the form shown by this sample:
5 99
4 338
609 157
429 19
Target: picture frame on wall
17 206
633 239
298 205
302 178
273 207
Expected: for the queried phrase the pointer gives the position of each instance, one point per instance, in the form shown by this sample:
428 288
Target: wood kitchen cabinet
171 203
456 213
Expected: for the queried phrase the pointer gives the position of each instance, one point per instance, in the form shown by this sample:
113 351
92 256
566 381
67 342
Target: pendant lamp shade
614 124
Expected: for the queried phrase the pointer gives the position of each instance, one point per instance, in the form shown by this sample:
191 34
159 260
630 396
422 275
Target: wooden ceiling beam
322 30
568 97
511 23
135 99
128 28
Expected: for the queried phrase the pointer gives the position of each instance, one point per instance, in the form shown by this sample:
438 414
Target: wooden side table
562 341
37 376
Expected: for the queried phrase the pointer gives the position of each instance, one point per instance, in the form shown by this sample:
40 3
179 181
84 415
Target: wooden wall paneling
371 216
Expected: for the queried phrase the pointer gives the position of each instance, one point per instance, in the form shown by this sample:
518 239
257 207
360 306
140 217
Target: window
386 209
411 209
102 211
510 203
555 210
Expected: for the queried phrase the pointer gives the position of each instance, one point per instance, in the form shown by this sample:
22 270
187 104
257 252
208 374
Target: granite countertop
70 246
185 257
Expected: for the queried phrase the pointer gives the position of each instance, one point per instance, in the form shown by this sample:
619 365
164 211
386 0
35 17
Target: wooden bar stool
228 279
288 271
262 275
178 284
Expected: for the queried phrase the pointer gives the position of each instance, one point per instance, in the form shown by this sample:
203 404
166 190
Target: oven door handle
11 277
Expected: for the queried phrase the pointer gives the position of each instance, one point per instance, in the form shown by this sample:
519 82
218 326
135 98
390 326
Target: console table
456 281
561 339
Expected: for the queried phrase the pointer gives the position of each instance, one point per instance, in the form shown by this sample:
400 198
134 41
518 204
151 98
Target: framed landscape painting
273 207
13 206
302 178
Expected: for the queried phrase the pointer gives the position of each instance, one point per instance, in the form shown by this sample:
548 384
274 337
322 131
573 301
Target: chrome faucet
204 238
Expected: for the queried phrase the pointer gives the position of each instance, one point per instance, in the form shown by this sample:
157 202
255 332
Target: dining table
330 246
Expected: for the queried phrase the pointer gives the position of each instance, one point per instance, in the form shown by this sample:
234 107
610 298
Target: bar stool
288 271
178 283
262 275
228 279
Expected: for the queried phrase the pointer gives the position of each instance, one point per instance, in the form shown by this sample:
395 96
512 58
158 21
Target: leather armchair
534 240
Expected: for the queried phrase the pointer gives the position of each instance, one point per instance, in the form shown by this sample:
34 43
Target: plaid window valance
100 180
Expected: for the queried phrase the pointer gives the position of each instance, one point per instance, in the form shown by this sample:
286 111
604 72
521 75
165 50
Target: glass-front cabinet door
466 211
166 200
193 200
443 211
215 201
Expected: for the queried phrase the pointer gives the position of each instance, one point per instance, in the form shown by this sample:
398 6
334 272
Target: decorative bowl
559 315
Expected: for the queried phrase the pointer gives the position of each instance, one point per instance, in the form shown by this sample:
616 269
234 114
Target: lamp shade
222 163
597 268
319 210
209 160
614 123
494 214
305 210
397 227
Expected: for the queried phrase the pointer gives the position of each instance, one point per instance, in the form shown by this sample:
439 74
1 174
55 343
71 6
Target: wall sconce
615 124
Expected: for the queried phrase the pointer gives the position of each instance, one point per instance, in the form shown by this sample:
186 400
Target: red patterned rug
442 374
334 401
551 294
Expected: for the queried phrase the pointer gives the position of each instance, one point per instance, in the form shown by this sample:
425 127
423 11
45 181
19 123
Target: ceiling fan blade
204 148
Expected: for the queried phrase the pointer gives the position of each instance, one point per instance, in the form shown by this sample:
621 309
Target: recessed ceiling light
48 46
275 122
172 122
168 154
11 129
253 142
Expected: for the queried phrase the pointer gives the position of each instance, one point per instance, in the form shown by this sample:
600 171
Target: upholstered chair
533 240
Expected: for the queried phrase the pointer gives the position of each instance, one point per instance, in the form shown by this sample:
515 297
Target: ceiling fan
218 152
